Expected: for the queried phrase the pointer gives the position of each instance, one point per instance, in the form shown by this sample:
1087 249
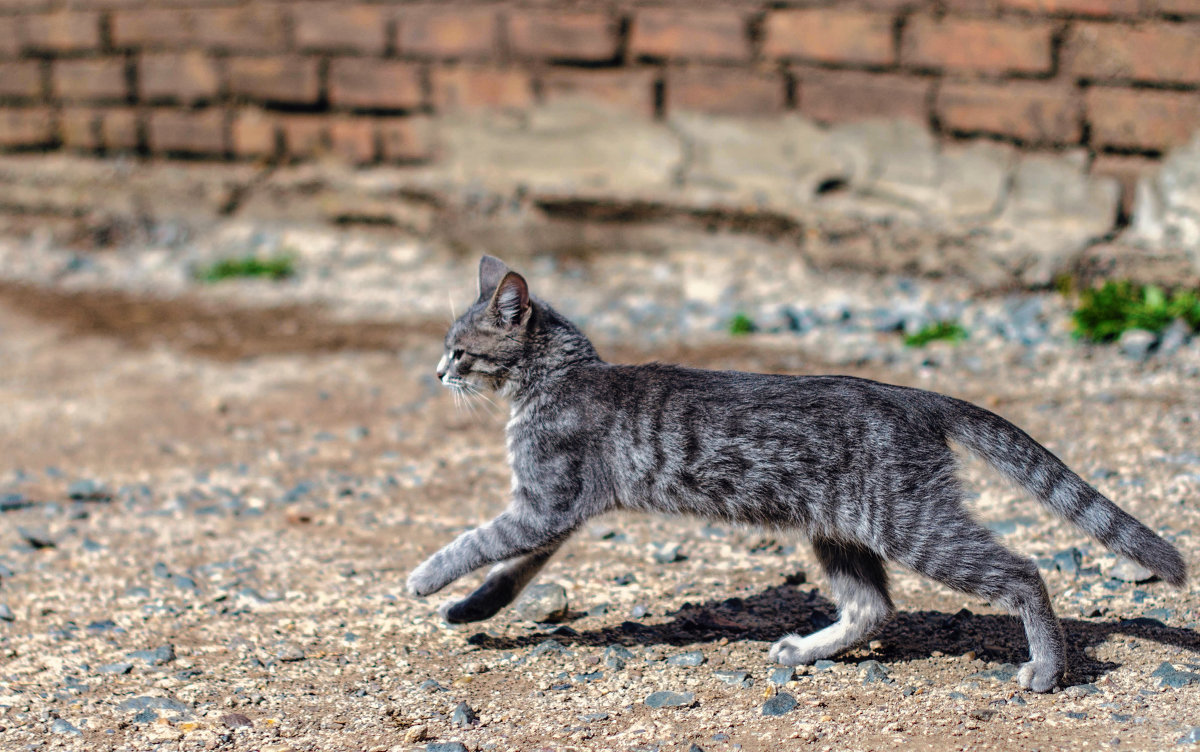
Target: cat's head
485 347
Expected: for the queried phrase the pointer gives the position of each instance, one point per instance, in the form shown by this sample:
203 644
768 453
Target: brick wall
255 79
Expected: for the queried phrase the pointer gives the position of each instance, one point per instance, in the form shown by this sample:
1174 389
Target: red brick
724 91
152 27
681 34
828 35
447 33
33 127
1033 112
1096 8
329 26
466 88
90 80
1150 52
631 90
405 139
185 77
10 37
23 79
253 28
120 129
1141 119
985 45
81 129
187 132
833 96
1128 171
275 79
374 84
253 134
63 32
353 139
304 135
563 36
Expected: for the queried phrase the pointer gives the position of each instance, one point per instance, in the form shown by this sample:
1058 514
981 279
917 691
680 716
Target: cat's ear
491 271
510 304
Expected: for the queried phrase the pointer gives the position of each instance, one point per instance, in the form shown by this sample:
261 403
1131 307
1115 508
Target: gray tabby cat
863 469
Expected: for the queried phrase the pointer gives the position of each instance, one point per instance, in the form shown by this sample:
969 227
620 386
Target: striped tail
1015 454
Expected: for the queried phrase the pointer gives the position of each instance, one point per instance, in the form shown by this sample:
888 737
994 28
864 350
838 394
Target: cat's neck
558 347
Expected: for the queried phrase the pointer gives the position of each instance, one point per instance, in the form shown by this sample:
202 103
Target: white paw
795 650
1040 677
423 581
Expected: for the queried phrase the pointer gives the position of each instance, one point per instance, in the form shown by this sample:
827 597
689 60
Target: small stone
824 665
543 603
1004 672
149 715
638 611
549 647
416 734
1081 690
780 704
1136 344
87 490
734 678
446 747
1191 737
1128 570
160 655
670 699
6 613
431 685
668 553
236 720
593 717
463 716
115 668
290 653
981 714
36 537
153 703
874 671
615 656
1068 561
782 675
691 658
63 727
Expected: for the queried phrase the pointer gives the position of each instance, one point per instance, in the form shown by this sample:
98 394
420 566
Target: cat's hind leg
859 584
965 557
503 584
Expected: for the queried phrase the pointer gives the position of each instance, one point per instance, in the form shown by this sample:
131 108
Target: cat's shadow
911 635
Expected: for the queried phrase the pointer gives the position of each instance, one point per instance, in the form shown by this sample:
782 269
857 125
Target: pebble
874 671
782 675
734 678
780 704
89 490
64 727
36 537
593 717
1081 690
982 714
616 656
236 720
1068 561
6 613
1169 676
543 603
1128 570
667 554
159 656
290 653
1191 737
416 734
115 668
1136 344
431 685
446 747
666 699
463 716
690 658
153 703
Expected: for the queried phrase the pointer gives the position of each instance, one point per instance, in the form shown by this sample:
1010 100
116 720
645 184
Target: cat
863 469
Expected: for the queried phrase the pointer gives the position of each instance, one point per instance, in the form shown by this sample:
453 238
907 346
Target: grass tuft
948 331
273 268
742 324
1105 312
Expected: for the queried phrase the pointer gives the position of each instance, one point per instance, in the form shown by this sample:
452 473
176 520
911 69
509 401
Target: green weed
273 268
949 331
1105 312
742 324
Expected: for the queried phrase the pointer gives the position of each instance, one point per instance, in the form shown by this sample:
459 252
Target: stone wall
230 79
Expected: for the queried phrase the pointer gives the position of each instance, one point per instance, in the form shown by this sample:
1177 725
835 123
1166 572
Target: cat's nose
441 373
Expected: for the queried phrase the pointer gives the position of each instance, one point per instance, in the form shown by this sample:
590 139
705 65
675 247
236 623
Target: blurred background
233 233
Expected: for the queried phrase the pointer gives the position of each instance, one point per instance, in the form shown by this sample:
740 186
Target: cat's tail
1014 453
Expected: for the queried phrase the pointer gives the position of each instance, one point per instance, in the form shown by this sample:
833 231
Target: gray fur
863 469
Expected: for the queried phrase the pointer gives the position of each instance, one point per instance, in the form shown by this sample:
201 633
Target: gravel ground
211 498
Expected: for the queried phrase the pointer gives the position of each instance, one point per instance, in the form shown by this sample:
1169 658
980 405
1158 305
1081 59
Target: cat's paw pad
794 650
1039 676
423 581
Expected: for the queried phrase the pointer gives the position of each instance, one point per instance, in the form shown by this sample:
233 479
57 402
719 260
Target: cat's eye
457 354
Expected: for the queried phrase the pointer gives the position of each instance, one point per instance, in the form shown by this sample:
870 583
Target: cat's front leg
515 532
503 584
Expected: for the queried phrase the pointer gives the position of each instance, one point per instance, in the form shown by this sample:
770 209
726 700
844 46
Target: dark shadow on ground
910 635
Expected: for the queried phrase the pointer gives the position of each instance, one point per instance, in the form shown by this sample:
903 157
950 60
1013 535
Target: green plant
274 268
742 324
1105 312
949 331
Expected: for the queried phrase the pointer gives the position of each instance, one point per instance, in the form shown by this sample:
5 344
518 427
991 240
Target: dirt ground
256 485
